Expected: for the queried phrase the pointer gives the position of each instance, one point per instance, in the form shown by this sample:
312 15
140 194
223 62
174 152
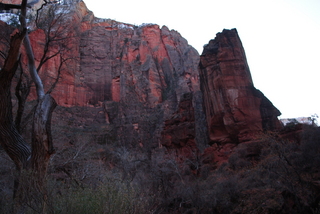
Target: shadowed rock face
235 109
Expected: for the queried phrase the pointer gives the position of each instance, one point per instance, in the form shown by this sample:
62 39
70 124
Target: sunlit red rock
113 59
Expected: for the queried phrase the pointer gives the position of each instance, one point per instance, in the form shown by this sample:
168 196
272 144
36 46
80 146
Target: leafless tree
50 18
31 160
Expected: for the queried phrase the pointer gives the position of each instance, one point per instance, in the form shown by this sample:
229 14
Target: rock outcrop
235 109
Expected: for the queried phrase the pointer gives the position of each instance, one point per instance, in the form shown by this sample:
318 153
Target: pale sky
281 39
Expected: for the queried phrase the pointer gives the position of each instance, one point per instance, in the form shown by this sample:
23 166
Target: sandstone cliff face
115 61
138 77
235 109
139 87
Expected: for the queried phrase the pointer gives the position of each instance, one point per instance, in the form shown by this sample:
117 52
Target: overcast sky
281 39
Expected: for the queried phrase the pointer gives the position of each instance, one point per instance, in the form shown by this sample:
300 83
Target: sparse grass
109 197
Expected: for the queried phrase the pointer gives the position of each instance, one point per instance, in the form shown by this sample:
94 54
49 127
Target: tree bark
10 139
32 192
42 146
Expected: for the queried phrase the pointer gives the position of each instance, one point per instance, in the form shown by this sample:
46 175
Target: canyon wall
146 121
147 88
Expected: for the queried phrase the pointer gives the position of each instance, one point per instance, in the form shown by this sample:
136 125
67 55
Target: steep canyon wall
150 89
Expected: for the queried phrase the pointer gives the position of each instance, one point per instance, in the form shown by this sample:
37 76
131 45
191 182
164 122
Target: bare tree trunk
22 91
32 192
10 139
31 166
42 147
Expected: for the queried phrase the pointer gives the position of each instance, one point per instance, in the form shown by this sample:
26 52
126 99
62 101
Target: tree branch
32 68
62 62
9 6
4 6
45 59
31 63
14 52
31 3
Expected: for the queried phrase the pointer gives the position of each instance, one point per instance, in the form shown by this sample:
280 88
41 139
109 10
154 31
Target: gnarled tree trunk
10 139
31 164
31 192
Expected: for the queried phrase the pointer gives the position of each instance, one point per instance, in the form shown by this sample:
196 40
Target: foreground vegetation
270 175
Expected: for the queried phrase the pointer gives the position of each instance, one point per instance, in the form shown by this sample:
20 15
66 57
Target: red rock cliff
235 109
139 86
116 59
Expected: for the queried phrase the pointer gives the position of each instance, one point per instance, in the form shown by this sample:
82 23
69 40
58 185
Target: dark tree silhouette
31 161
